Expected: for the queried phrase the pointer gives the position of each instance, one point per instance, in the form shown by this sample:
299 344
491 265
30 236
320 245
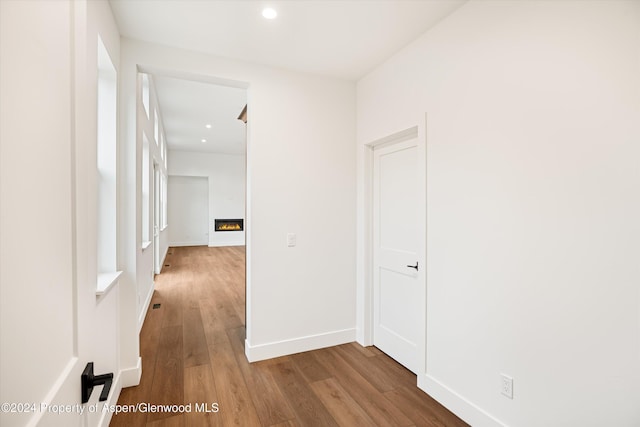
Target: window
145 92
165 221
156 126
146 200
106 169
165 157
162 145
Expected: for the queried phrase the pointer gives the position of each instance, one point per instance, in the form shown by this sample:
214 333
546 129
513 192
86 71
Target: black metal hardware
89 380
414 266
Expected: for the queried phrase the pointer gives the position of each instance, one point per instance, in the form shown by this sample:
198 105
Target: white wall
51 321
532 112
148 125
188 210
297 298
227 181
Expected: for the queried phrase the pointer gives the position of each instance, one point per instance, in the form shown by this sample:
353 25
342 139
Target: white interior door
397 277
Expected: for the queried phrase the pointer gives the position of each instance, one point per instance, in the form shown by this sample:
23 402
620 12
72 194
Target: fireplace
229 224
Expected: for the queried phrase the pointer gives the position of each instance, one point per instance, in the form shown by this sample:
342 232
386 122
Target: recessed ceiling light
207 126
269 13
203 140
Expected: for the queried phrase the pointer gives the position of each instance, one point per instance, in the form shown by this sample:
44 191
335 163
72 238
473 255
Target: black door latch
89 380
414 266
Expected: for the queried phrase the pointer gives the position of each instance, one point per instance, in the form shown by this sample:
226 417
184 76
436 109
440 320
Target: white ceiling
342 38
339 38
188 106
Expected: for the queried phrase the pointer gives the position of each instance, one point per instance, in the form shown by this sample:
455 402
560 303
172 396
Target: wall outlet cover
506 386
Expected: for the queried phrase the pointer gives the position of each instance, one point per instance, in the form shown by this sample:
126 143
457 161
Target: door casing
366 257
396 286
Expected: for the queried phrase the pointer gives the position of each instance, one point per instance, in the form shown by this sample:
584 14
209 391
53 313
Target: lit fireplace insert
229 224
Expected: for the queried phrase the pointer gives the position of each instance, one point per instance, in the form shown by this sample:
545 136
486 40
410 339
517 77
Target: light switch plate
506 386
292 239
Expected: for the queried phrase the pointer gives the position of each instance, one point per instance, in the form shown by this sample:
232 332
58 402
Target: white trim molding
131 377
147 303
298 345
463 408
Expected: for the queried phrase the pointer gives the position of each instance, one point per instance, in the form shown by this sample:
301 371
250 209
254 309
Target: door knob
414 266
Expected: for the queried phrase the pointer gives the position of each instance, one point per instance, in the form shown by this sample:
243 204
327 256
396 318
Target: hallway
192 349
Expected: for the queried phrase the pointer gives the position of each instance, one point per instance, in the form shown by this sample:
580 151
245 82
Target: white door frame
366 257
161 70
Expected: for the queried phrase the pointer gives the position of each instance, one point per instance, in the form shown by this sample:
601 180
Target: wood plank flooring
192 350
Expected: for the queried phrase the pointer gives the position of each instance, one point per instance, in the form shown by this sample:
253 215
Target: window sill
106 281
164 227
146 244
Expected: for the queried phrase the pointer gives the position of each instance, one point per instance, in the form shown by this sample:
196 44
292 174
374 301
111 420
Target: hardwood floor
192 350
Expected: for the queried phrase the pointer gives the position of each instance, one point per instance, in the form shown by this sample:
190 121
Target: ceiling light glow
203 140
269 13
207 126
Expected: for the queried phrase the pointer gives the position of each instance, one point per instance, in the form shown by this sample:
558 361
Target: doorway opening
197 122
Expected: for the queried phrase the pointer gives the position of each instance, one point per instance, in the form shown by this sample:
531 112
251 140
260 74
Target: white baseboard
173 244
298 345
468 411
223 244
164 257
147 303
131 377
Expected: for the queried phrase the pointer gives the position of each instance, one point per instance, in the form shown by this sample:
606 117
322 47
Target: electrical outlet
292 239
506 386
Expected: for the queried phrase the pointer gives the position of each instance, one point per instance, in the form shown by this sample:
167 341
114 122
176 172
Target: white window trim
106 282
